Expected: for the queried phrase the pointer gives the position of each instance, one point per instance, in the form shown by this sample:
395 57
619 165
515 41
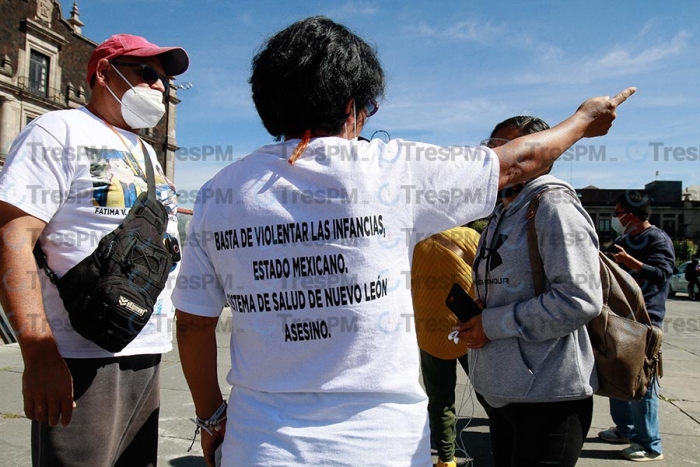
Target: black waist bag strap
110 294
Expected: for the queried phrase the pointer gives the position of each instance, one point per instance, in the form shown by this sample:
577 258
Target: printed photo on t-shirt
117 178
166 193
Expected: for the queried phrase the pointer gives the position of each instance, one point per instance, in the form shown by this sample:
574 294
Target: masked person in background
647 253
88 406
530 359
307 390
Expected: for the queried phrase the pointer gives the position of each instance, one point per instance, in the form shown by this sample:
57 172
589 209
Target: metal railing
7 336
52 94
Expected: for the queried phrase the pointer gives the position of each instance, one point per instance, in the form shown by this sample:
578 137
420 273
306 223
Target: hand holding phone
461 304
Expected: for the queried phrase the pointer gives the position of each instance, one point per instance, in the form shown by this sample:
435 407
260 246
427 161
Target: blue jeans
639 420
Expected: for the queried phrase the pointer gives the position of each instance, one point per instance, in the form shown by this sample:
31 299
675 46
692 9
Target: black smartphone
462 304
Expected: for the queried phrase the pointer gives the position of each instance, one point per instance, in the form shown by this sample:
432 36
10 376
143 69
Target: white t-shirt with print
314 261
75 173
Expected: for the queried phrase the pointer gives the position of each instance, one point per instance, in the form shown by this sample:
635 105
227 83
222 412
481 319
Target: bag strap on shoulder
533 249
150 173
40 256
453 247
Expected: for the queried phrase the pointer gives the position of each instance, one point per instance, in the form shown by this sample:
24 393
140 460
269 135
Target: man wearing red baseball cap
69 179
114 98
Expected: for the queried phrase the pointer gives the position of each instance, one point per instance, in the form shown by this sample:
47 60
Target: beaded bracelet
212 423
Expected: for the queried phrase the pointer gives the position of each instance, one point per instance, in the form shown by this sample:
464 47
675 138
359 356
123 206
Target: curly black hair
305 75
526 125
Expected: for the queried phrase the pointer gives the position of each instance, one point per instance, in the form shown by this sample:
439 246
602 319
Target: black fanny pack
110 294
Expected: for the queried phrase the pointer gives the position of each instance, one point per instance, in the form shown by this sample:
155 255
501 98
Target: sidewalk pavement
679 406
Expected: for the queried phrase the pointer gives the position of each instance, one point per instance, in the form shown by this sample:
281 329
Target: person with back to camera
306 389
530 359
439 262
88 405
647 253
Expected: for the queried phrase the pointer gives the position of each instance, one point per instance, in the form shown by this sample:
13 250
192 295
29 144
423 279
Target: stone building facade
43 61
673 210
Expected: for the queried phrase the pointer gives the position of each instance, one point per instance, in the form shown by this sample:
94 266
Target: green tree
479 225
685 250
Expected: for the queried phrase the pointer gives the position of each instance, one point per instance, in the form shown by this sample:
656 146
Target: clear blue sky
454 69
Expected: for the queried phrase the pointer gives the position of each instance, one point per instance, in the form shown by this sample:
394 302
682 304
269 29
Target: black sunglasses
149 75
619 213
371 108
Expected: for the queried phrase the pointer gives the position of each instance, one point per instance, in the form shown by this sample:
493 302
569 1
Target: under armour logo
496 259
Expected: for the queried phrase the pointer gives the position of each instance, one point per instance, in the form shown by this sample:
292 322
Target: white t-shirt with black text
314 261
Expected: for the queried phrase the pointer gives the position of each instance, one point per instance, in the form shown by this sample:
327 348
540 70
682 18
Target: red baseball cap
174 59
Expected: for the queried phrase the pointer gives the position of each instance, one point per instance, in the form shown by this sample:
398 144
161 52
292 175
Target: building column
170 142
7 135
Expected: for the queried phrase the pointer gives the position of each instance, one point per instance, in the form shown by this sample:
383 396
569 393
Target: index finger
67 407
622 97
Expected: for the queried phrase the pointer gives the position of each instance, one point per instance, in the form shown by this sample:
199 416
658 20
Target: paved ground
680 405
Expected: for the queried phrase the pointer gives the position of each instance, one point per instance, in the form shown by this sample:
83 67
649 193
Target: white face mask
617 226
141 107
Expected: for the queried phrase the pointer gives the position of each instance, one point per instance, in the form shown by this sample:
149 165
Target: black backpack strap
40 256
150 176
41 261
151 209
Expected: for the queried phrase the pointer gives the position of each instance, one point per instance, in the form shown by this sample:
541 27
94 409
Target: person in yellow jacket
439 262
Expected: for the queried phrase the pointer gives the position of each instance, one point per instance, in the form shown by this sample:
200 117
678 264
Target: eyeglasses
620 213
371 108
149 75
493 142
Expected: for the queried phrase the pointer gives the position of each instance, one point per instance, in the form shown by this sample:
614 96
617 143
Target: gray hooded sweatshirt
539 350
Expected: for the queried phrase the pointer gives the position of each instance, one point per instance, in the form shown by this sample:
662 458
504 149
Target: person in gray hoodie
531 361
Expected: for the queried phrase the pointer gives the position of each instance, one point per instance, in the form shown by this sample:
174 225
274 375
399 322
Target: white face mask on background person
617 226
141 107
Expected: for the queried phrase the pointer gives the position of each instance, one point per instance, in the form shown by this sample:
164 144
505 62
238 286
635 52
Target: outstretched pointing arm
528 156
